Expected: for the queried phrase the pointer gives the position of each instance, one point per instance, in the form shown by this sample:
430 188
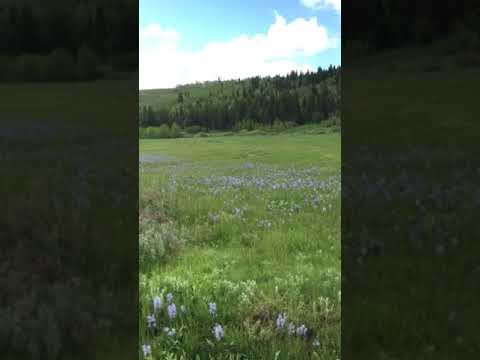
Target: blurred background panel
69 179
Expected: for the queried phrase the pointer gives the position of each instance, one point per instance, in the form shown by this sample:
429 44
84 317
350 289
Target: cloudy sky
190 40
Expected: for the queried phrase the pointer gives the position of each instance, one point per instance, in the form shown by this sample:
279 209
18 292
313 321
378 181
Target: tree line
298 98
383 24
75 37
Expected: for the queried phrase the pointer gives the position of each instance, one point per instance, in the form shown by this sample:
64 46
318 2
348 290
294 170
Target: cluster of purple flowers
291 329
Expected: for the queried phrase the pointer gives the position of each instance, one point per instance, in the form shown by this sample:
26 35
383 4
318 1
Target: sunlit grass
259 220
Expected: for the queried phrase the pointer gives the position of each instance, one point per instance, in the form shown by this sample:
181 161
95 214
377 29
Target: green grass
419 126
246 248
75 156
281 149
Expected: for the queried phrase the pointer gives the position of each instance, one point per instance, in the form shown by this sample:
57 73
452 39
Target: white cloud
163 65
323 4
154 31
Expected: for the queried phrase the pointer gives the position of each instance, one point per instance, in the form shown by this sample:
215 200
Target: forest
387 24
294 99
67 40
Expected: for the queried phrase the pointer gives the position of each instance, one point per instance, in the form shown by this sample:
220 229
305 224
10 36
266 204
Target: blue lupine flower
169 298
302 330
157 303
147 350
151 321
170 331
218 332
212 308
172 311
281 321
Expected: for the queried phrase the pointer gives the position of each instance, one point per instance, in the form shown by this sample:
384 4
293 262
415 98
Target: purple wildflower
172 311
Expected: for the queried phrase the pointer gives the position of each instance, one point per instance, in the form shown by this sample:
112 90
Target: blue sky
187 41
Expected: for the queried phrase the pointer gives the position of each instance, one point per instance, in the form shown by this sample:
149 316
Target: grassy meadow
407 231
67 167
240 247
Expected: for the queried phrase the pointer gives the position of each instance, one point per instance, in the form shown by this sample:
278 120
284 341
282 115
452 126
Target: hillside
298 98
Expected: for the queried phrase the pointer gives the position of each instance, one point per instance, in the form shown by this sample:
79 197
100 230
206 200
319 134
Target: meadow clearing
409 197
66 176
240 247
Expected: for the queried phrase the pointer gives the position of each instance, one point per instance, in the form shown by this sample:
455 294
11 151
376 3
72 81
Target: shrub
201 134
467 60
151 132
175 131
157 241
87 64
60 66
462 39
194 129
246 124
31 68
278 125
160 132
164 132
329 122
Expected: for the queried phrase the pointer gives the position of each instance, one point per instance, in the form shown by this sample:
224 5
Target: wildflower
316 343
265 224
169 298
157 303
212 308
172 311
218 332
147 350
302 330
170 331
151 321
291 329
214 218
281 321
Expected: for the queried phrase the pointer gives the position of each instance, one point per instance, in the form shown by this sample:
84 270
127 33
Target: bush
462 39
151 132
246 124
160 132
157 241
31 68
60 66
175 131
87 64
467 60
278 125
164 132
195 129
201 134
329 122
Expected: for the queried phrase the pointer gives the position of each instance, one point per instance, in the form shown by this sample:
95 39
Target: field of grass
240 235
409 264
68 229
